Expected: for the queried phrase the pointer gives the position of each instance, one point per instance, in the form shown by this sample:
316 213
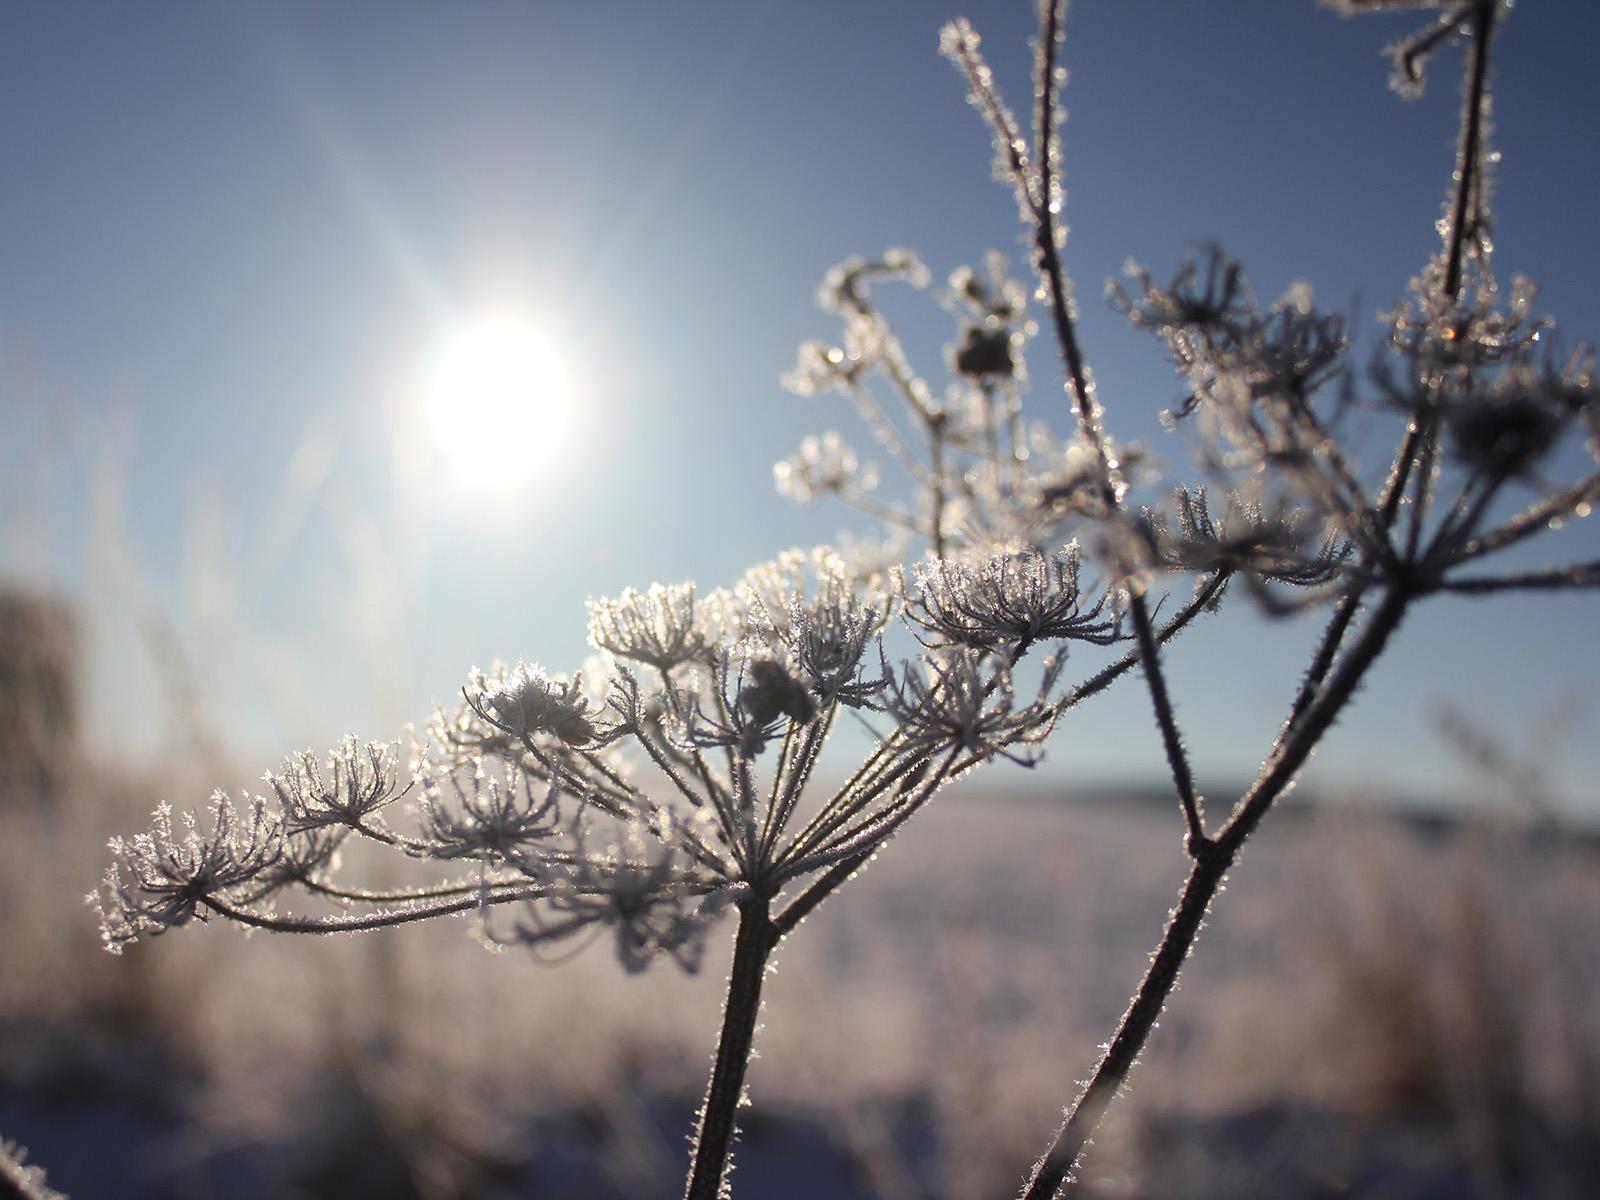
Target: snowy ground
1375 1009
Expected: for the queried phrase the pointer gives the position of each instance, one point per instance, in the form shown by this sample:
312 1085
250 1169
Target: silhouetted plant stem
1104 678
1085 408
1462 218
1323 693
1134 1028
1045 241
364 922
1211 865
1568 575
1464 222
1327 650
751 948
1171 740
1419 436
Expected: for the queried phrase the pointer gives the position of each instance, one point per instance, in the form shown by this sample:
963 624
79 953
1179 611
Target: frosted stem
1210 867
713 1142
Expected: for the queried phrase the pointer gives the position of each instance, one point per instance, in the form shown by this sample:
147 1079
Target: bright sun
497 402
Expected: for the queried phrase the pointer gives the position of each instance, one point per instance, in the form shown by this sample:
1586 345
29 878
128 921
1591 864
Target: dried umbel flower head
357 781
528 703
1207 295
1248 541
1509 427
994 332
663 627
991 296
963 700
845 288
820 367
639 885
829 643
987 352
1242 363
1009 602
491 817
819 613
824 466
161 879
309 857
1505 435
771 692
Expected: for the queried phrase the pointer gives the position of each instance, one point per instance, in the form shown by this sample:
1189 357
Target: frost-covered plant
681 787
676 779
21 1180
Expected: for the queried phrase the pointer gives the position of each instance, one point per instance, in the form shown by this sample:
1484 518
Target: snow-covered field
1375 1008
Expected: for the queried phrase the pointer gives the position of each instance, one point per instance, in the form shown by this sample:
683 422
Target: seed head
528 702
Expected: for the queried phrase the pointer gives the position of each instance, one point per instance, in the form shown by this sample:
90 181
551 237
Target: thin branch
1171 740
383 919
1047 242
752 947
1205 877
1103 679
825 884
1569 575
1468 157
1532 520
884 430
1327 650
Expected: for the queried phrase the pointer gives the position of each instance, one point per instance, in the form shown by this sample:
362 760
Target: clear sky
234 238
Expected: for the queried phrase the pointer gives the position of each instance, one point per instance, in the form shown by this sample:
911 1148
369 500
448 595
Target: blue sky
231 233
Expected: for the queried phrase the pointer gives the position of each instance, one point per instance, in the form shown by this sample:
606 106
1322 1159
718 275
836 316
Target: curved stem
364 922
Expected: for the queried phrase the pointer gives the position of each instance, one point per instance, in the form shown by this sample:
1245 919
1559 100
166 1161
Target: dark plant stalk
1104 678
1171 739
751 948
1568 575
362 922
1211 865
1085 408
1134 1029
1327 650
1315 706
1044 228
936 453
1462 218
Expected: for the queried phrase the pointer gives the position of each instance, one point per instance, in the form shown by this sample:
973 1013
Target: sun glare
497 402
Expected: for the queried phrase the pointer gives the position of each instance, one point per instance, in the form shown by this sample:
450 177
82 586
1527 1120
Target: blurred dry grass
1375 1004
40 666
